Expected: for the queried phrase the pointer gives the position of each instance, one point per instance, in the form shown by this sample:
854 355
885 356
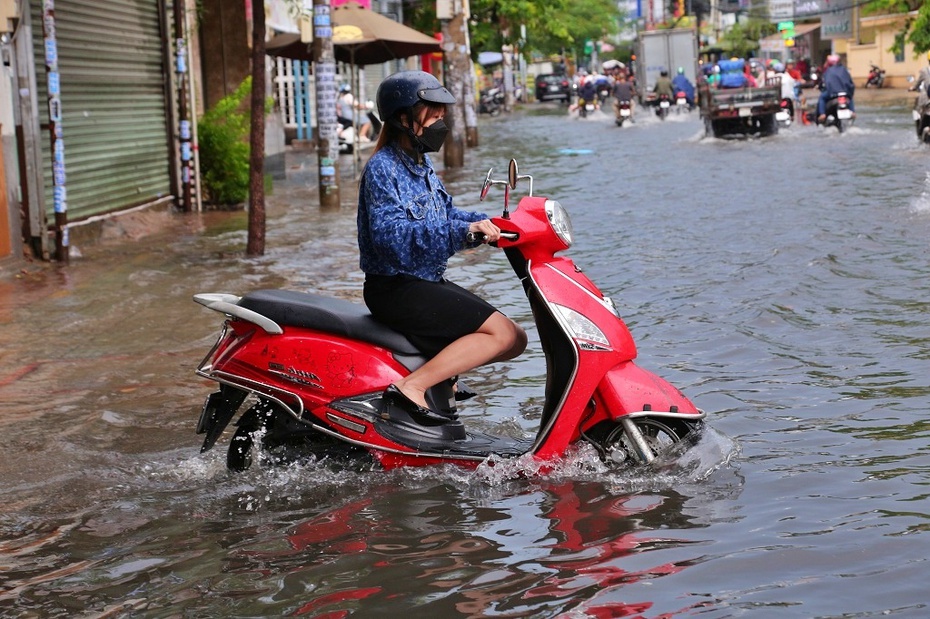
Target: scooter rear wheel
239 456
259 416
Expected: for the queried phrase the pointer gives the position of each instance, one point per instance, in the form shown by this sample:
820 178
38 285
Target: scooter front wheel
659 435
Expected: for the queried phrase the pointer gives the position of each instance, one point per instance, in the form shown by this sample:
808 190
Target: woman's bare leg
498 339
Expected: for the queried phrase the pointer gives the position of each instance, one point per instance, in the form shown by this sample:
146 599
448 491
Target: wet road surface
782 284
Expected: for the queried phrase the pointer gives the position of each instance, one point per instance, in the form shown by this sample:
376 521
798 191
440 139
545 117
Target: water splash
921 204
268 482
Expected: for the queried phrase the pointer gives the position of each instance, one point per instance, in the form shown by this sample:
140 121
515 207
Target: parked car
553 86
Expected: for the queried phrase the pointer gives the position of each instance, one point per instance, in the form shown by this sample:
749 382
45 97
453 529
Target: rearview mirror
487 186
512 174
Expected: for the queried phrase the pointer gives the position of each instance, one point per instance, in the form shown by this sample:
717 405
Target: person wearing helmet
663 85
921 85
345 114
681 83
344 110
789 88
836 79
408 229
587 90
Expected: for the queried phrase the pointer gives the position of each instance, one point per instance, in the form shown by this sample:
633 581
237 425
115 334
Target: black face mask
431 138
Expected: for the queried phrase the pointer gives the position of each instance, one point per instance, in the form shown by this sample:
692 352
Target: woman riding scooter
407 231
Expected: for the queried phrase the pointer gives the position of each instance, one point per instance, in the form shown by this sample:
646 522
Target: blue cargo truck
732 108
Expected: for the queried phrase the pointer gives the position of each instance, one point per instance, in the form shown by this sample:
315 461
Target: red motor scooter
318 367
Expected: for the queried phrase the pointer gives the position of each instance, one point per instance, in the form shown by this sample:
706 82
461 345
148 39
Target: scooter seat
336 316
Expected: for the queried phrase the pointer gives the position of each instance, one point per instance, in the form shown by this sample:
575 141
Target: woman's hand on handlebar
483 231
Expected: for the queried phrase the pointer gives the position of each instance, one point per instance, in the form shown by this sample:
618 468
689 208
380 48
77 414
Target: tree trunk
507 51
256 238
463 118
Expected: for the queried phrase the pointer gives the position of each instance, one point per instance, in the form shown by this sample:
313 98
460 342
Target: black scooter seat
336 316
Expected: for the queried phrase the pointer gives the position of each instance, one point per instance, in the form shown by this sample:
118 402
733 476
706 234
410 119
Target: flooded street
782 284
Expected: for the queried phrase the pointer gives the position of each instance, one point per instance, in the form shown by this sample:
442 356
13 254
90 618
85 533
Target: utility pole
324 76
463 119
184 122
59 184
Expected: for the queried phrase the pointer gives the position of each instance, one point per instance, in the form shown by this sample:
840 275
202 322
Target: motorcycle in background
491 101
922 123
921 113
681 102
838 113
663 105
785 114
813 79
876 77
623 113
318 369
603 91
585 108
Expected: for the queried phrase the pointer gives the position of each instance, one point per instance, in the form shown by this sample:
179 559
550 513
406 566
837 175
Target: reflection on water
781 283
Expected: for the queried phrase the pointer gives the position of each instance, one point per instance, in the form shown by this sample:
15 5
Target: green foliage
916 30
920 30
551 25
885 7
744 36
223 136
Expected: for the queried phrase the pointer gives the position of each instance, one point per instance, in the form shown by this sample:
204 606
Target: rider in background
681 83
751 80
587 91
789 88
345 114
836 79
663 85
788 85
792 70
921 85
623 91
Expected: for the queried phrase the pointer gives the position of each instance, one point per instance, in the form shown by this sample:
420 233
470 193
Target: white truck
664 50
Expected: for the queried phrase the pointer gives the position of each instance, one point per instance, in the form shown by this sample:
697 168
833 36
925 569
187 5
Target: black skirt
431 314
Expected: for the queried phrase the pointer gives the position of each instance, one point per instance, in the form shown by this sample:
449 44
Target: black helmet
405 89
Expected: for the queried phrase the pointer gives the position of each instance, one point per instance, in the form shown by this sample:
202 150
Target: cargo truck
732 108
663 50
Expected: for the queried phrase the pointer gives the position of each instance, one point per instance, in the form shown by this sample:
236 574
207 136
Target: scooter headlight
560 222
580 327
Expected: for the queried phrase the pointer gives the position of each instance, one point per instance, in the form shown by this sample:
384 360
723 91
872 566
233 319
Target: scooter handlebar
479 237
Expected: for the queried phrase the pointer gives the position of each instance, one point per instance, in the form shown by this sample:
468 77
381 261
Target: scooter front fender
629 390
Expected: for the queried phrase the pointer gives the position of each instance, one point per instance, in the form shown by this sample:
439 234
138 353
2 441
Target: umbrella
488 58
289 46
360 37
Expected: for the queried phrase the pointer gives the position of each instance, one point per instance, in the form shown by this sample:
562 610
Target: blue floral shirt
406 222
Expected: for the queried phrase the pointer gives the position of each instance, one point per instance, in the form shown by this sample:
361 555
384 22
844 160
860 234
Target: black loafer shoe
419 414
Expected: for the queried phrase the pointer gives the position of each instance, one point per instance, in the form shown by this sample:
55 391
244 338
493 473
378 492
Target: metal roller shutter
114 104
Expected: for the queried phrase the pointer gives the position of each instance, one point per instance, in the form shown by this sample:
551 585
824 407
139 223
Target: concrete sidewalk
883 97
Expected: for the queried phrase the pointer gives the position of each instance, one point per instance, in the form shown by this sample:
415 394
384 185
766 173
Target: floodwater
783 284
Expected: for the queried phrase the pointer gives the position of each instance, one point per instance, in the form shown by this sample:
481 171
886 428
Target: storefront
95 111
